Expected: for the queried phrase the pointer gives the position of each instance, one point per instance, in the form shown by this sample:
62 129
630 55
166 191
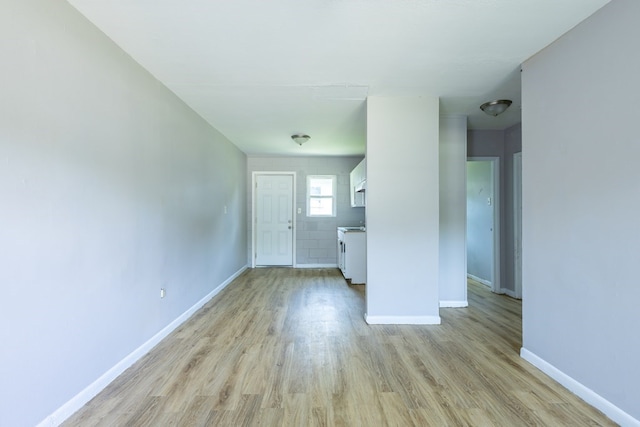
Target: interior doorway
483 221
517 224
273 219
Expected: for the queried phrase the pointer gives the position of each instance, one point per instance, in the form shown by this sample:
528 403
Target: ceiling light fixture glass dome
300 138
494 108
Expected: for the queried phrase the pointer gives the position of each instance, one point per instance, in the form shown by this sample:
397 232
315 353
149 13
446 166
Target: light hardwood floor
289 347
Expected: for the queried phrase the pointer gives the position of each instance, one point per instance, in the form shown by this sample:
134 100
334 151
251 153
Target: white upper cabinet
357 183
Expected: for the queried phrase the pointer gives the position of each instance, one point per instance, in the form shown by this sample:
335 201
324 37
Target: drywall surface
111 189
402 210
581 200
453 163
316 238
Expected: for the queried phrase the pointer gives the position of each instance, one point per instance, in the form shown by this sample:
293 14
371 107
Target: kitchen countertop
347 229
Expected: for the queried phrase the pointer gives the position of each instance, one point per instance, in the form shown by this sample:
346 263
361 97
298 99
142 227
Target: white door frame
495 172
517 223
254 218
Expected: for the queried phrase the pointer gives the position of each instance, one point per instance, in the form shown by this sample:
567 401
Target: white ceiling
260 71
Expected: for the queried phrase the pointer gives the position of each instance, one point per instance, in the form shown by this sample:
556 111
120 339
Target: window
321 195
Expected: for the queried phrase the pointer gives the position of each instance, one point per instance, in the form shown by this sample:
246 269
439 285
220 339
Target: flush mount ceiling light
300 138
493 108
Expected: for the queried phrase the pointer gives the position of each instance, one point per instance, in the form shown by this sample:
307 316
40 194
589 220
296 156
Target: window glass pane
321 195
321 187
321 206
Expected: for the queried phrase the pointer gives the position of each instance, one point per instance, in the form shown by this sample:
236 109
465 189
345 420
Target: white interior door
483 221
274 220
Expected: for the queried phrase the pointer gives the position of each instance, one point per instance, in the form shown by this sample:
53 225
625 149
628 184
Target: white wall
581 198
453 163
111 188
316 238
402 210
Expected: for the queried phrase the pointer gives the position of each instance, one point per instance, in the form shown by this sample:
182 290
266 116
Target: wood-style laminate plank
290 347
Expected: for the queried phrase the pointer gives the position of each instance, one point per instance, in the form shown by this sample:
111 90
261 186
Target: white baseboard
316 266
508 292
585 393
402 320
454 304
479 280
80 399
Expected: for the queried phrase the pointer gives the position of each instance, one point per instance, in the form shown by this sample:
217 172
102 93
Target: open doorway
483 221
517 224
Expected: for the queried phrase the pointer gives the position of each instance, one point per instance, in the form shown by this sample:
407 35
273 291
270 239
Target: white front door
274 220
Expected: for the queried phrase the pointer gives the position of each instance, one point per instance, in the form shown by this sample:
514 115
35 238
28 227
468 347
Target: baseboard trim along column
454 304
479 280
316 266
577 388
80 399
402 320
508 292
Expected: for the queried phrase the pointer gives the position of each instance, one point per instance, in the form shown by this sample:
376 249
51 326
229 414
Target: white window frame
334 182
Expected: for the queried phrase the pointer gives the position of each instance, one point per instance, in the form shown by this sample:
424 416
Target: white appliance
352 253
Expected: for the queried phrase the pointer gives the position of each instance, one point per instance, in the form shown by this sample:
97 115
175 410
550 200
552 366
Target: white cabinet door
352 256
341 265
357 175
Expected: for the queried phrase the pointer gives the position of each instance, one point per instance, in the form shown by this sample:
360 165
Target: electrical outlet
162 292
225 209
